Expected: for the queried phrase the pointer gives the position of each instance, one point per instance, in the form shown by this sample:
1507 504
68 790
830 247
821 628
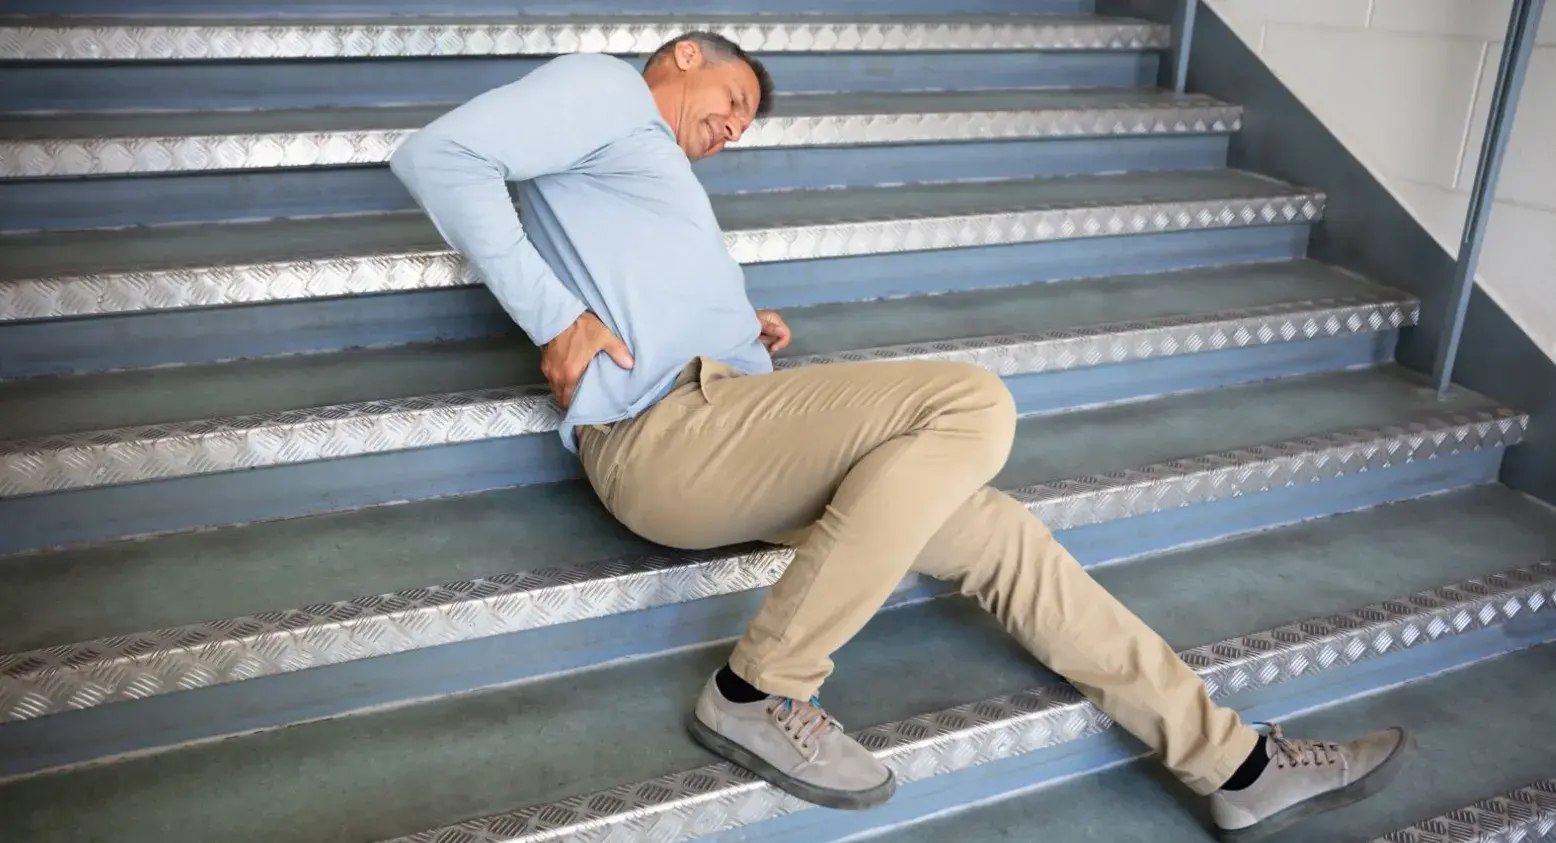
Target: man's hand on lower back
775 332
564 359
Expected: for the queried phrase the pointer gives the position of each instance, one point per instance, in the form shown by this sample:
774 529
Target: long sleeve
548 122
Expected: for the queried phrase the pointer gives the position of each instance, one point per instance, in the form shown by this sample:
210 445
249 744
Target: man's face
718 102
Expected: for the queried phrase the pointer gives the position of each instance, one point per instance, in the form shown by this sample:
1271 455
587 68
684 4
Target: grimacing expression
719 100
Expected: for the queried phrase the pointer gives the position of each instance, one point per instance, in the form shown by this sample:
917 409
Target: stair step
58 274
119 143
44 38
1073 470
215 417
443 760
1495 734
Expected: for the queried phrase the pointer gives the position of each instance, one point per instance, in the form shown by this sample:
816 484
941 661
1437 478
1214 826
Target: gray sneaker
794 745
1306 778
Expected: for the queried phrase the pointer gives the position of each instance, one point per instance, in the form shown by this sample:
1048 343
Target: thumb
618 351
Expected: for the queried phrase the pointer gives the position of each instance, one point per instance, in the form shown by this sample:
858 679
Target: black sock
1252 766
735 689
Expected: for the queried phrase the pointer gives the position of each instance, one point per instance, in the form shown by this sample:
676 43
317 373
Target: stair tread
242 387
353 554
73 253
1499 733
252 121
456 757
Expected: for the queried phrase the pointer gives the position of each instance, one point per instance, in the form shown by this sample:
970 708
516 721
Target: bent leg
1004 556
869 459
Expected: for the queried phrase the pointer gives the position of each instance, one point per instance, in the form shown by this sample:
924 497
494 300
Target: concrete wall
1404 85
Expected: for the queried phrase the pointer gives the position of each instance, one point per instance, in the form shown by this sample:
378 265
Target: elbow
413 156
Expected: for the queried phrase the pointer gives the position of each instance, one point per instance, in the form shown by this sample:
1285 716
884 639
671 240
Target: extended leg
1006 558
1002 555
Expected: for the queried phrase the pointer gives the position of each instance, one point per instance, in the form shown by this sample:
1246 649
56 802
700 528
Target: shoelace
1297 753
802 722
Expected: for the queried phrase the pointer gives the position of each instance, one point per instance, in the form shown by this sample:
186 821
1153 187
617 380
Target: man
620 273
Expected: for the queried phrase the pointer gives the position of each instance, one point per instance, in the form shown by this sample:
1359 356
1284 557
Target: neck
668 96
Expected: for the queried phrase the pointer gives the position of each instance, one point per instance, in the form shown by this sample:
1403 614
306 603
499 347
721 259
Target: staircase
290 552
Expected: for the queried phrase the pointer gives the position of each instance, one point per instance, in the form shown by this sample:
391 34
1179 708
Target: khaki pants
869 471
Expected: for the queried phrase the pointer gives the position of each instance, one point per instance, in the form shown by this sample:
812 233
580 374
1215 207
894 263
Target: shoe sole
847 800
1369 785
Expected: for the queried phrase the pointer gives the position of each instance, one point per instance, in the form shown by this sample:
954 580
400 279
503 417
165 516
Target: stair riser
1088 756
774 284
259 9
66 204
133 87
167 720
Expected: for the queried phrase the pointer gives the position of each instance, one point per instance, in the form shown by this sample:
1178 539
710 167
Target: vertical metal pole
1183 40
1499 123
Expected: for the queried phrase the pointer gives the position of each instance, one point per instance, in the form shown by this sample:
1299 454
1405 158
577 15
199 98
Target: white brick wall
1405 84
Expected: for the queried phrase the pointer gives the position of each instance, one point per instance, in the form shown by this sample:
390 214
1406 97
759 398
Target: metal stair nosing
197 286
111 457
1522 815
721 796
135 40
110 154
87 674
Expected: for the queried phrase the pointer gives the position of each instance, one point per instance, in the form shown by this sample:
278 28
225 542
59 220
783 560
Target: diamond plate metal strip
128 455
841 239
84 295
689 804
1120 342
121 155
153 452
1525 815
623 36
92 673
1067 504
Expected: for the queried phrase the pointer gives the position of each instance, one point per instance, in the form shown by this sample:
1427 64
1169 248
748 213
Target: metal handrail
1182 42
1516 50
1525 21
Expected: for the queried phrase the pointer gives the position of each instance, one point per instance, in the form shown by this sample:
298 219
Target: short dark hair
722 49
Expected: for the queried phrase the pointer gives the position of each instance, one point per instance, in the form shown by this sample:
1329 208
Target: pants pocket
709 373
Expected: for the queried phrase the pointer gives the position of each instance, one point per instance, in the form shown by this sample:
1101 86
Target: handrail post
1182 41
1525 21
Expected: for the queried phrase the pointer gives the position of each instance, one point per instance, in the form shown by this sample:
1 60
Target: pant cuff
1233 755
750 669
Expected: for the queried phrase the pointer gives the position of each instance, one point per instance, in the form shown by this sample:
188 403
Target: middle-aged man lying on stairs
619 272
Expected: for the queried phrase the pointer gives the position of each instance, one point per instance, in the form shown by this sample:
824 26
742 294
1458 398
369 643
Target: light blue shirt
614 221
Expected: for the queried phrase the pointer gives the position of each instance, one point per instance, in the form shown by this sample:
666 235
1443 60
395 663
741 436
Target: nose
733 128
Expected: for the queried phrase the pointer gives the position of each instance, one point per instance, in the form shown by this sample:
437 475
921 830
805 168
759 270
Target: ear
688 55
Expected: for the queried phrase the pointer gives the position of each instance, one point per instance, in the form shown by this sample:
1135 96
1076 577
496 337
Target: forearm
465 194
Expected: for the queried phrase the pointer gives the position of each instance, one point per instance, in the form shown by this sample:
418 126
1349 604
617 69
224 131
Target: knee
994 406
989 408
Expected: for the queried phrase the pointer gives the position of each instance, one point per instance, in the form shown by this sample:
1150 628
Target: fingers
775 334
781 340
618 351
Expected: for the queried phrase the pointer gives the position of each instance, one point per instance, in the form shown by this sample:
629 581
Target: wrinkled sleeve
457 169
